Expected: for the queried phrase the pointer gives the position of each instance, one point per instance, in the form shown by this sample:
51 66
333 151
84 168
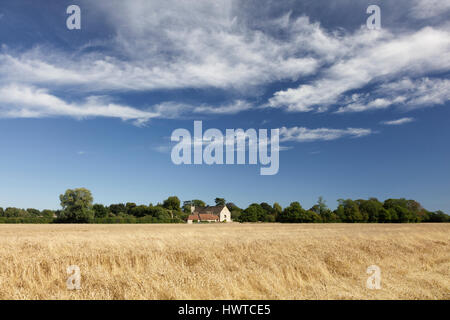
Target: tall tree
76 205
292 213
100 211
129 206
253 213
33 212
371 209
172 203
321 208
117 209
198 203
48 213
277 208
12 212
220 201
351 211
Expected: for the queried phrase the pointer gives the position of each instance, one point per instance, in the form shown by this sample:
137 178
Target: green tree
129 206
141 211
393 214
267 207
292 214
350 212
235 214
438 216
186 208
253 213
384 216
404 215
219 201
172 203
235 211
160 213
269 212
231 206
321 208
100 211
277 208
76 206
310 217
12 212
48 213
33 212
117 209
371 209
198 203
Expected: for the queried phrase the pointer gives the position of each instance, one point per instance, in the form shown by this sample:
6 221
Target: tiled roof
207 216
203 217
208 210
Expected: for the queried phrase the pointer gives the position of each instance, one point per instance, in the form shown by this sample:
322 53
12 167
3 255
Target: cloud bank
202 45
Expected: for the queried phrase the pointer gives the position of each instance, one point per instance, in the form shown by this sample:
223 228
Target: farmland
225 261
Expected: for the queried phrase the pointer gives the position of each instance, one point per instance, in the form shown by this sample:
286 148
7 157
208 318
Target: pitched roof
208 210
203 217
207 216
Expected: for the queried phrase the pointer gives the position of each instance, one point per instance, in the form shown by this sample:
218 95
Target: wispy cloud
373 56
233 108
398 122
172 45
19 101
358 106
423 9
162 148
405 93
302 134
168 45
22 101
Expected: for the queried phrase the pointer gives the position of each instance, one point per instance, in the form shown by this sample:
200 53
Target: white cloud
405 93
424 9
398 122
301 134
22 101
170 45
424 92
385 57
379 103
177 44
19 101
233 108
162 149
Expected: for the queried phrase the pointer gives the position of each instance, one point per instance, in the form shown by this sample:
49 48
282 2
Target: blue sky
362 112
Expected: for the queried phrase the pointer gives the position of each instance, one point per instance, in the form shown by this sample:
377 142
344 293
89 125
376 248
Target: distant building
209 214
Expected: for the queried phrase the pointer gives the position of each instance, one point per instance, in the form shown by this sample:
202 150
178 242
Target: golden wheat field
225 261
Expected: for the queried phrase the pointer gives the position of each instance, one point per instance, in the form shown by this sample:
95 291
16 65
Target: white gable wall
225 215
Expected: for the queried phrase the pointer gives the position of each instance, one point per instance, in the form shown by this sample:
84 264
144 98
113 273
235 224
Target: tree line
348 211
77 207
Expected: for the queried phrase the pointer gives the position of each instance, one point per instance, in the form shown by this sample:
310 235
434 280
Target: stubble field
225 261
